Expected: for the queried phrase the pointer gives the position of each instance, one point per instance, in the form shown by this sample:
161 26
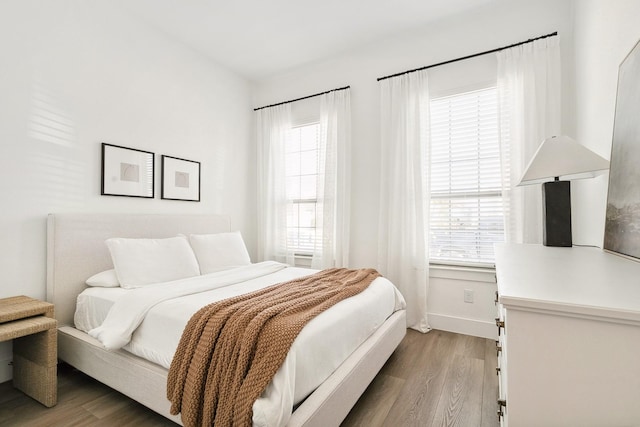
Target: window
466 201
302 175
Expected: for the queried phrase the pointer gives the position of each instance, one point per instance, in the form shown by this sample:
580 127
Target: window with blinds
466 202
301 177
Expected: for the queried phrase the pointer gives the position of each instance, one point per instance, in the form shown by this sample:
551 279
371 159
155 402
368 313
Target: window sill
459 272
302 260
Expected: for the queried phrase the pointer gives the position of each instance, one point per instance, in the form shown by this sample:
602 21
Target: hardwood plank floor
434 379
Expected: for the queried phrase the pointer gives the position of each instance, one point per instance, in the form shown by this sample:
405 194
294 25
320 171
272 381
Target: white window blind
466 202
302 174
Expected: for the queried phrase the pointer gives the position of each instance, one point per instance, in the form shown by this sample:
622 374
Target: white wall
499 24
74 74
605 32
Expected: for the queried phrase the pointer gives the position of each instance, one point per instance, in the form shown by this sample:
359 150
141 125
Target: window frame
452 195
303 255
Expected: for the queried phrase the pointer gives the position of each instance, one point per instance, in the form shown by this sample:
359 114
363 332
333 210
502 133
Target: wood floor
434 379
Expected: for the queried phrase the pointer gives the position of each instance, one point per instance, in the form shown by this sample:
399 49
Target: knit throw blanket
230 350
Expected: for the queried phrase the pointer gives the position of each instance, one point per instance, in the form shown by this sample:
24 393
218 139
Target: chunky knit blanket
230 350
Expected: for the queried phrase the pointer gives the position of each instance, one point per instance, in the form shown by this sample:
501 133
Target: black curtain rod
555 33
300 99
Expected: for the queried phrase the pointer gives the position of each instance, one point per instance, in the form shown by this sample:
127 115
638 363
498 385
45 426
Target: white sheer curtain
404 209
273 126
332 222
529 109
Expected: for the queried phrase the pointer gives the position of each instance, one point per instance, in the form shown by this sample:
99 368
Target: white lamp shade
564 158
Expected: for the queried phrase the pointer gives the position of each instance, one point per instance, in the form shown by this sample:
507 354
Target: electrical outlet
468 296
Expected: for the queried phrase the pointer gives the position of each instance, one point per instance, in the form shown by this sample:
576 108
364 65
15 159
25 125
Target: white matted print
180 179
127 172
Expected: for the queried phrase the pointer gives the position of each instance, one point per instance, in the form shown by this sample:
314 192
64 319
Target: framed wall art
127 172
180 179
622 224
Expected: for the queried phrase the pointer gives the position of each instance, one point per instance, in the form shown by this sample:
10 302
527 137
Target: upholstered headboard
76 248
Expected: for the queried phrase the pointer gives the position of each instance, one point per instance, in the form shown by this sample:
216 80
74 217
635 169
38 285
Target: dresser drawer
569 337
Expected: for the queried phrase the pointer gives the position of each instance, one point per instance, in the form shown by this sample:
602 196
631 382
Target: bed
76 250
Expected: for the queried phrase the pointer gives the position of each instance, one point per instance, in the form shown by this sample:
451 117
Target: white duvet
148 322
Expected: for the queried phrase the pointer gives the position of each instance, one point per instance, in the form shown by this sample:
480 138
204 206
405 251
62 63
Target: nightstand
30 324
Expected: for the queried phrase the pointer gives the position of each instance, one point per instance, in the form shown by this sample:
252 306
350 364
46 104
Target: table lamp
560 157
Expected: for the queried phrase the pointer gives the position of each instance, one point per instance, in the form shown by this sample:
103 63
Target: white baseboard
460 325
6 370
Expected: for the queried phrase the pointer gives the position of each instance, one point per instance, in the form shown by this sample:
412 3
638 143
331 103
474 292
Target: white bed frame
76 250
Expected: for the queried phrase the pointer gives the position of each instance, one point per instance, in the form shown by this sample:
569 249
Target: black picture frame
127 172
180 179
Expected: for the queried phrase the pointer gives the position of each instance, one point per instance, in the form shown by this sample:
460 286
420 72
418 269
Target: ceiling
259 38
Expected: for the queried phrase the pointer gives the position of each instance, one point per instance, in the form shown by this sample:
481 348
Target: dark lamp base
556 214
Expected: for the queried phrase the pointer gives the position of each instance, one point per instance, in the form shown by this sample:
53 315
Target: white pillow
220 251
140 262
104 279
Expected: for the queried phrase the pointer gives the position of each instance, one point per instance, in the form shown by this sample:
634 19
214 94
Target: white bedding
114 315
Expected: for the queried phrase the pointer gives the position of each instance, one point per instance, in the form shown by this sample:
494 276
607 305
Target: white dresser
570 344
